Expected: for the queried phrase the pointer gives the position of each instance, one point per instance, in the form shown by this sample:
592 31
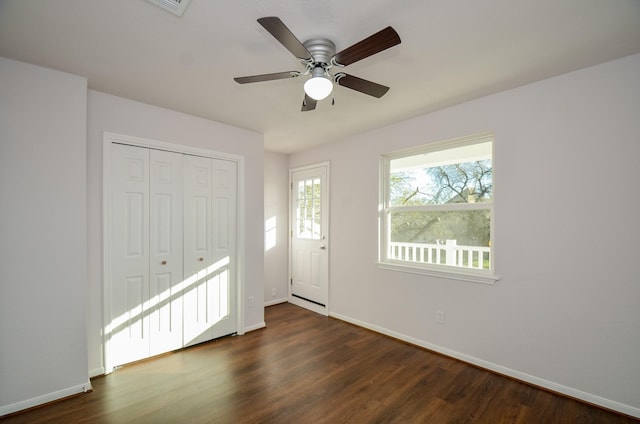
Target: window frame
443 271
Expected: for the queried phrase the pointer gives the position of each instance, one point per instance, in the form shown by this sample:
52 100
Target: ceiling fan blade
266 77
361 85
371 45
308 103
281 33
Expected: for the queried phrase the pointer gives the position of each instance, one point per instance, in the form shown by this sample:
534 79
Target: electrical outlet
273 292
440 317
251 301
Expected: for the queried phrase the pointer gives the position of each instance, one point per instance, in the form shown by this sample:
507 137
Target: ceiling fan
318 55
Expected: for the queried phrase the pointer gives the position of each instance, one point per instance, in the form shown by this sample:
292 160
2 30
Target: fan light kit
318 56
318 87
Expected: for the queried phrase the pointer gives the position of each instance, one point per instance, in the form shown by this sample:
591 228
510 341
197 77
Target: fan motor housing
321 49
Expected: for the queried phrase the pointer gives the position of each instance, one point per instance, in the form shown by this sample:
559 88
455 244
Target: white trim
499 369
483 137
96 372
255 327
171 147
110 138
457 274
106 251
240 244
323 310
441 207
49 397
276 302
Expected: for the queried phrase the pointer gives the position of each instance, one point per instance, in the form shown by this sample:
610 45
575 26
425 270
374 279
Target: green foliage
468 228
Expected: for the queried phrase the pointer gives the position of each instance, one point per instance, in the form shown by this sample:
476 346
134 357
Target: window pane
455 238
459 175
308 209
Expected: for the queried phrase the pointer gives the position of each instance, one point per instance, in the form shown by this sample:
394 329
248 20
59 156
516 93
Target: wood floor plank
307 368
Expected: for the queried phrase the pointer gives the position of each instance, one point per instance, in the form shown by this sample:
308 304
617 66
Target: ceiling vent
176 7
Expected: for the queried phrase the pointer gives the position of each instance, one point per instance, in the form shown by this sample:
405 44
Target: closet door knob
200 259
163 262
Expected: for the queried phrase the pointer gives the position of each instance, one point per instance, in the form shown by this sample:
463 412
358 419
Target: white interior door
309 237
210 211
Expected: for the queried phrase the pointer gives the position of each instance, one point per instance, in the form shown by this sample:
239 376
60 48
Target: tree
469 182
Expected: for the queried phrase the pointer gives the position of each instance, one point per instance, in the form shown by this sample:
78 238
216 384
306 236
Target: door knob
163 262
322 247
200 259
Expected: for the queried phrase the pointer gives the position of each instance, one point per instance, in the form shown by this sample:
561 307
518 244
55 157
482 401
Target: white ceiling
451 51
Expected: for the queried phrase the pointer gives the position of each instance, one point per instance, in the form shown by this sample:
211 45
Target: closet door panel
198 251
128 331
166 251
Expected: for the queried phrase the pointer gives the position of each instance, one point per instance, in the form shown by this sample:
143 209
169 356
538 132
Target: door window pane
308 214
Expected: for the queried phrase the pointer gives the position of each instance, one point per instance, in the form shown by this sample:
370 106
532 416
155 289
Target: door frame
323 310
109 138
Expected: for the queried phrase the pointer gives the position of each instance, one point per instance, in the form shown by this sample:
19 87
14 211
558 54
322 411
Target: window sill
461 275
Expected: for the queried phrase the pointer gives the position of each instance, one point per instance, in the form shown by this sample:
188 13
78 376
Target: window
308 225
437 209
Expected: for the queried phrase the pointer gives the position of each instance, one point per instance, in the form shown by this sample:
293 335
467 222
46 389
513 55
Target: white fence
449 253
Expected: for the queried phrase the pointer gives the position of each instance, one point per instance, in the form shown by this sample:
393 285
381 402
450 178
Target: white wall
43 235
118 115
566 312
276 200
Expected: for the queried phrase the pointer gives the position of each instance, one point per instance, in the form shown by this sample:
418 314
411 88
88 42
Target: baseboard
40 400
499 369
255 327
96 372
275 302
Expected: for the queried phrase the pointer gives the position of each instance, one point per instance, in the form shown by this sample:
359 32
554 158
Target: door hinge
291 282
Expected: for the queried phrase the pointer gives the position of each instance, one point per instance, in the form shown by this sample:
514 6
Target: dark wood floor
306 368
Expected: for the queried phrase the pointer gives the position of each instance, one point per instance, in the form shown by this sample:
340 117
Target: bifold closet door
146 253
209 247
